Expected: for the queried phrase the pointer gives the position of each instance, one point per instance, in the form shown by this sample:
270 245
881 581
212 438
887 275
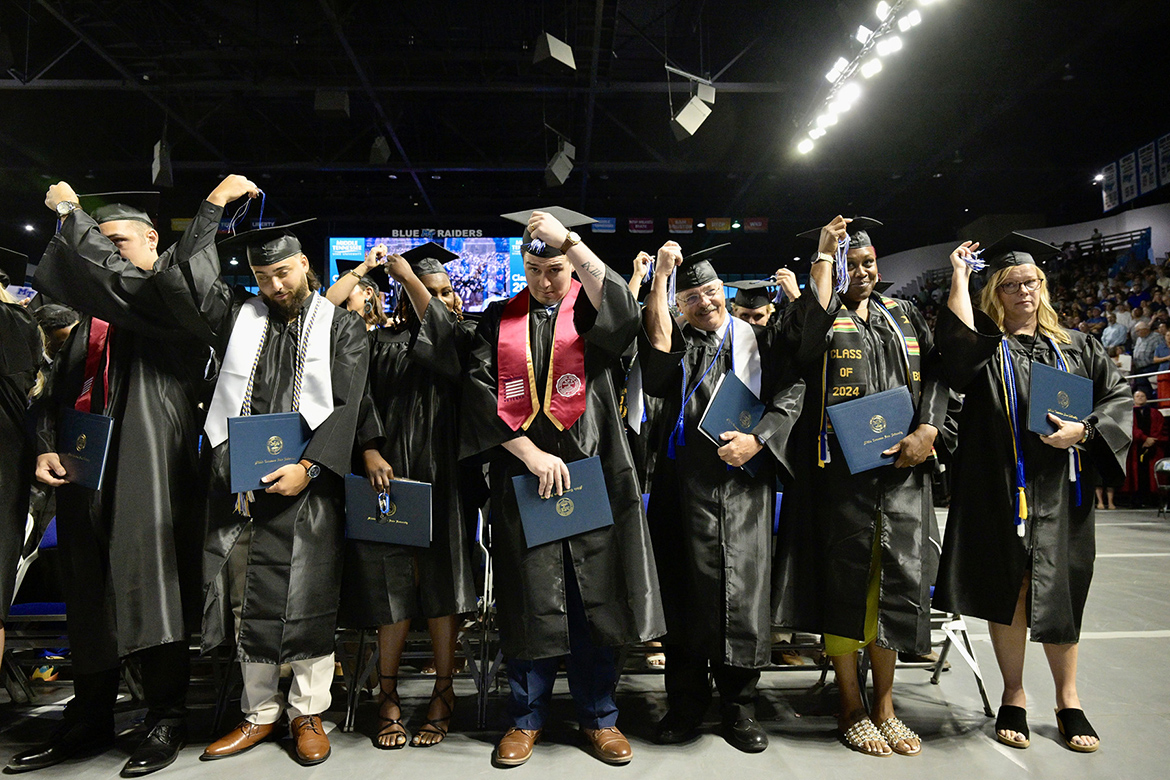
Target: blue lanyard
677 437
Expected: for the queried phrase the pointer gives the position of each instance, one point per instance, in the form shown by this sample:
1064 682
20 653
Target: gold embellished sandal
861 732
896 732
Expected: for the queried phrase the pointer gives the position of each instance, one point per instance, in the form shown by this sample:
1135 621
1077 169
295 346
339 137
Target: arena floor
1124 686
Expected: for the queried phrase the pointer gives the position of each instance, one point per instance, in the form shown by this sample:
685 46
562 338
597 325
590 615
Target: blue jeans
592 673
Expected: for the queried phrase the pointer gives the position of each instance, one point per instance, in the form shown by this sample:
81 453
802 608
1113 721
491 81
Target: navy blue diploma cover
401 516
733 407
261 443
1067 396
583 507
871 424
83 444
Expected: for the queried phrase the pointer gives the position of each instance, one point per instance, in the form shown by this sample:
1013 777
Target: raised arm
822 267
340 290
641 265
657 313
959 300
590 270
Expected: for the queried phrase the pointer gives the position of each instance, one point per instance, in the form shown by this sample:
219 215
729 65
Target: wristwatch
66 207
571 241
824 257
313 470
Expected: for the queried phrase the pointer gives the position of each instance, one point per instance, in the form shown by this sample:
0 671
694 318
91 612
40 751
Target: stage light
914 17
850 92
826 120
883 10
888 45
838 107
1100 177
927 2
31 228
701 224
904 24
706 93
553 49
805 146
686 122
863 34
838 68
816 133
735 224
233 261
380 151
871 68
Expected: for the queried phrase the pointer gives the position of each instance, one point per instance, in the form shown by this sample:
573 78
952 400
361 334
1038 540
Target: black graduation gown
712 525
984 560
828 516
614 566
129 551
411 409
20 358
294 564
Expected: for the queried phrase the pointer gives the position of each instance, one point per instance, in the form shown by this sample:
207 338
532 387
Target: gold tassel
242 502
1023 504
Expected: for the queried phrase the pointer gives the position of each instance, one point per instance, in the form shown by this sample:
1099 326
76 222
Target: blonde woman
1019 541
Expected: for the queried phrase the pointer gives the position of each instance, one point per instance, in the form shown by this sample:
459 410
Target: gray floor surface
1124 686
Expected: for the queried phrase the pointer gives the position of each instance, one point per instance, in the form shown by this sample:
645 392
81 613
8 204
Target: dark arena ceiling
989 108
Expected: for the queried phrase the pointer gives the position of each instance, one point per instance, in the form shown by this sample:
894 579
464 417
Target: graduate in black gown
710 520
409 429
532 409
21 358
130 550
858 553
1020 542
276 554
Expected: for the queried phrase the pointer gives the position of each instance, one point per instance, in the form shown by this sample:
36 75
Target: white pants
308 695
311 679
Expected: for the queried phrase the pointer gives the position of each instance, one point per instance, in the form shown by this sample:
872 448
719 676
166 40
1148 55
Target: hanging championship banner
641 225
605 225
1147 169
755 225
681 225
1164 160
1109 199
1128 181
718 224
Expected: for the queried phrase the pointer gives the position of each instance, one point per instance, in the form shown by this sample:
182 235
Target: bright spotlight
849 92
736 224
826 120
914 17
888 45
838 107
904 24
30 227
805 146
927 2
871 68
838 68
1100 177
233 261
701 224
816 133
863 34
883 10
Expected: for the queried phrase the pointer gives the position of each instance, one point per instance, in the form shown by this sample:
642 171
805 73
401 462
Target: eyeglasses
1011 288
708 292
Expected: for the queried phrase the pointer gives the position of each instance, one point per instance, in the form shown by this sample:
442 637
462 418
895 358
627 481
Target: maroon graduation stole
516 400
95 349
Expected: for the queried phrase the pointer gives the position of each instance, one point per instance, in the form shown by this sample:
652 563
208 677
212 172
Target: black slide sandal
1073 723
1012 718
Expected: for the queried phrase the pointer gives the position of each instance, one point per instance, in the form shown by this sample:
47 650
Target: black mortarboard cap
429 258
12 267
754 293
882 286
696 268
567 217
376 276
858 230
139 206
53 316
263 246
1017 249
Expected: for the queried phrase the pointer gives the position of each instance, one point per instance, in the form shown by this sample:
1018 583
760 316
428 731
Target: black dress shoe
675 728
747 735
69 741
160 748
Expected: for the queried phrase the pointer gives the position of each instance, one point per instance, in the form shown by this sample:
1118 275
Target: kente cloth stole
517 397
844 375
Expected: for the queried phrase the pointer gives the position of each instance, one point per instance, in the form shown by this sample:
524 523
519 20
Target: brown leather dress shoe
312 744
515 747
609 744
243 737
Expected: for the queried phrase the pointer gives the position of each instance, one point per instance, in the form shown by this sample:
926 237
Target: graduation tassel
842 265
1074 471
1022 514
976 262
242 502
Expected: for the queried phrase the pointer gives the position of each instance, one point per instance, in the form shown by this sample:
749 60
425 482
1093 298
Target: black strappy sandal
433 725
1012 718
390 727
1073 723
